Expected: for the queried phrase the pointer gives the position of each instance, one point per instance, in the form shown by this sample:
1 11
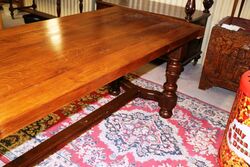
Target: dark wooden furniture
228 54
1 4
32 9
19 3
57 64
29 9
188 13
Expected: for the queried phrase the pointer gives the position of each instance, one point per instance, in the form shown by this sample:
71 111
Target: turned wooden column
81 5
169 99
207 5
189 9
58 8
34 6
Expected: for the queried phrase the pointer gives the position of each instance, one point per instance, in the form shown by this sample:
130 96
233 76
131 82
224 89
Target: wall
220 9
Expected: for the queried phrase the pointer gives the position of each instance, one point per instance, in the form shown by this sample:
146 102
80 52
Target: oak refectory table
48 64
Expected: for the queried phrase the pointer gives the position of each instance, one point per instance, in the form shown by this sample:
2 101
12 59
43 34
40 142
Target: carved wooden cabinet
228 56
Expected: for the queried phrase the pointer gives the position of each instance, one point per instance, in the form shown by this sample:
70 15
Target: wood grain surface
155 7
48 64
228 55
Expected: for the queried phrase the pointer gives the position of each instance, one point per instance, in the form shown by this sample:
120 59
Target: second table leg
169 98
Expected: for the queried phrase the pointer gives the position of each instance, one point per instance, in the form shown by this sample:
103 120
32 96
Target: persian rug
135 136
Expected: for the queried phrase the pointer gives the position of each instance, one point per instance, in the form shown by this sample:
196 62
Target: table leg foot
114 87
165 114
166 104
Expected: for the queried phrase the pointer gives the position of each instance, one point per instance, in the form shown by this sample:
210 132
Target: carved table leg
169 98
114 87
11 8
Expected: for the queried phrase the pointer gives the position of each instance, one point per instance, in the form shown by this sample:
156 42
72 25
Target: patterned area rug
133 136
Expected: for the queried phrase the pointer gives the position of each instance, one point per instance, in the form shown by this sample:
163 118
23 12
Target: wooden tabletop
46 65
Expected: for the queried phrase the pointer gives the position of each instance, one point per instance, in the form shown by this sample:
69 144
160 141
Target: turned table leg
169 98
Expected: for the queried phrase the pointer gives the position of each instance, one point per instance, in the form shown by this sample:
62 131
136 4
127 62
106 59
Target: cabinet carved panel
227 58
